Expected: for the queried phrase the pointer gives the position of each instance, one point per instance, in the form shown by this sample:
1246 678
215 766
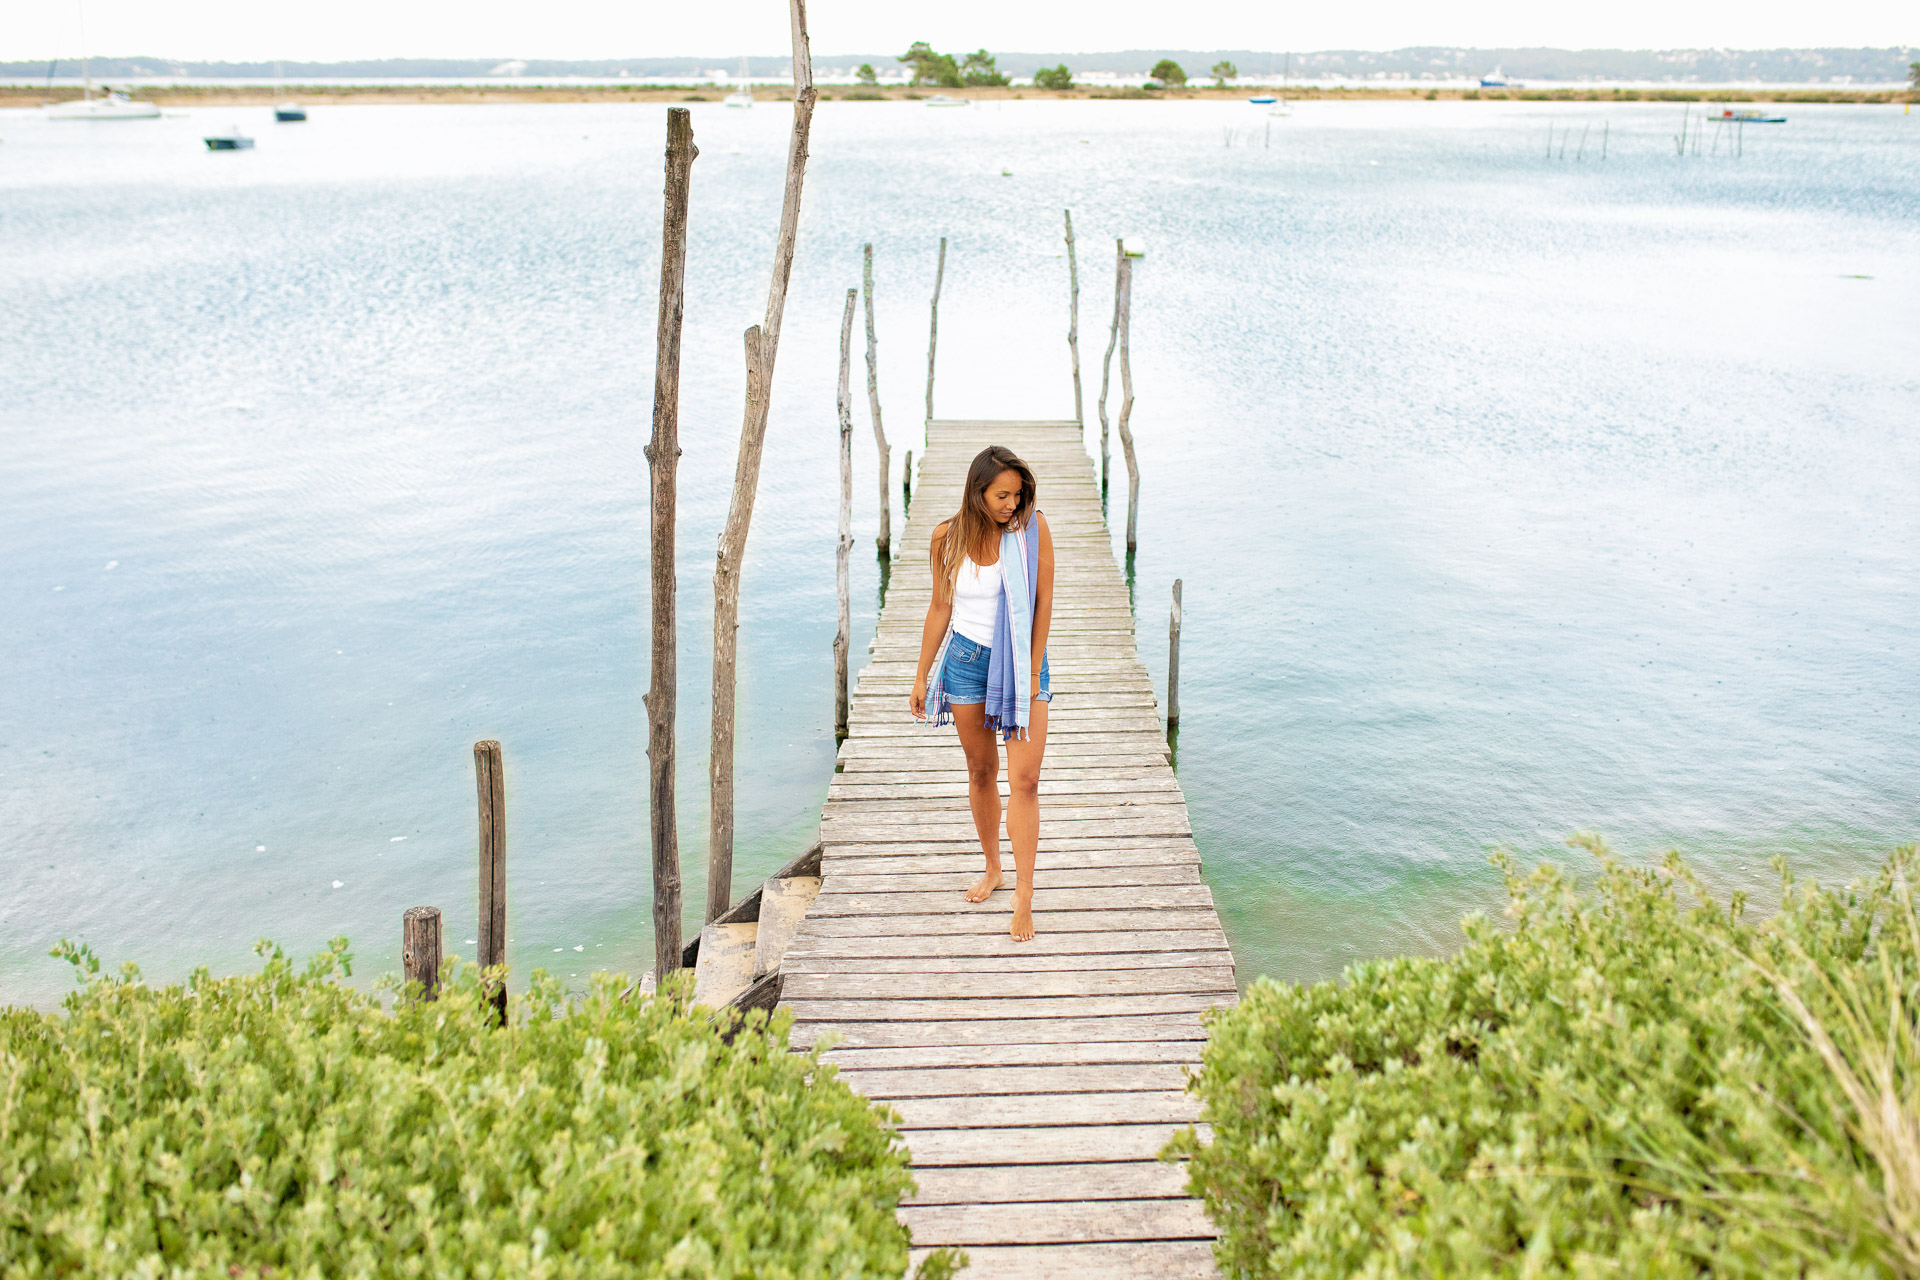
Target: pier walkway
1036 1081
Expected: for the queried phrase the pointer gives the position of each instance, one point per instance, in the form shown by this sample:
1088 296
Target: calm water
1512 495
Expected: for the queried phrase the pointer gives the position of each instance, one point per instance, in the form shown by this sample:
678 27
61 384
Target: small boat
234 141
742 97
1265 101
1731 116
942 100
112 104
1498 80
284 112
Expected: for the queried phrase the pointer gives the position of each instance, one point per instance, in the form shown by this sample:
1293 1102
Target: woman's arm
939 613
1042 600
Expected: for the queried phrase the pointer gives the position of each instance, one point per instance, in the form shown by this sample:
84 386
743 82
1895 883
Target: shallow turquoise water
1512 496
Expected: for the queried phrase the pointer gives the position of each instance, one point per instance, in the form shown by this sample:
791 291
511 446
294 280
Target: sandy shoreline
351 95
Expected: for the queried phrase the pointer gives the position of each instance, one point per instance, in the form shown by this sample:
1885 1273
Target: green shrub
283 1124
1058 79
1618 1085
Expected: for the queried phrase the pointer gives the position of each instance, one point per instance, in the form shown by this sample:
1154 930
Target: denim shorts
965 674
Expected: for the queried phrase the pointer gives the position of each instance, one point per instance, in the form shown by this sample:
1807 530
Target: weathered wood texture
420 949
1173 660
1073 322
884 540
1036 1081
933 322
762 345
663 461
843 635
490 781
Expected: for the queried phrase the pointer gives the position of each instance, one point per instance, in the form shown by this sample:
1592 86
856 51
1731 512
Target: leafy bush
283 1124
1168 72
1059 79
1619 1085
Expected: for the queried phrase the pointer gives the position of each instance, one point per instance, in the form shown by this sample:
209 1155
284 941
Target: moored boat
1747 116
112 104
231 141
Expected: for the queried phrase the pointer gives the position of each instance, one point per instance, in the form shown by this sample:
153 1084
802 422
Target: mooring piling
1173 661
1126 404
490 782
933 322
663 460
844 635
1073 322
885 539
762 345
420 949
906 483
1106 362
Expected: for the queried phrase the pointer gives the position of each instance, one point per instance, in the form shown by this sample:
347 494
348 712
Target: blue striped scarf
1010 666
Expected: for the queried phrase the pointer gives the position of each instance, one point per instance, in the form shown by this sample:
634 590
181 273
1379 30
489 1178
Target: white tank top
976 600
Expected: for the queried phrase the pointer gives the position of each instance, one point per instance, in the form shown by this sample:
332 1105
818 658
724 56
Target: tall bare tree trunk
1073 324
873 404
762 343
1106 363
844 636
663 460
1126 405
933 323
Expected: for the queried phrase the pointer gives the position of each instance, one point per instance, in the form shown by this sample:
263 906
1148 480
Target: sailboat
743 96
284 112
112 104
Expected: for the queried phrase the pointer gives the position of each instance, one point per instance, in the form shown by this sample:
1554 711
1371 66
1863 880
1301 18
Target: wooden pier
1036 1081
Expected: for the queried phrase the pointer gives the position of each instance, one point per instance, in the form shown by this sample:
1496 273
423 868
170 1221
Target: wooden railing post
663 459
1106 363
762 343
906 483
933 323
885 540
1126 404
490 782
420 949
844 635
1173 660
1073 323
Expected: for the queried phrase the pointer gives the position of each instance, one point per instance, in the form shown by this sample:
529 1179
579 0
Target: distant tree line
975 69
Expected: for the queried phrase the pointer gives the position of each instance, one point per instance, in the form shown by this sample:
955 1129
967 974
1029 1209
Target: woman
983 659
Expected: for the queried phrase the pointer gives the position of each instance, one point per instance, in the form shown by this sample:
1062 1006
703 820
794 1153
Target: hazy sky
337 29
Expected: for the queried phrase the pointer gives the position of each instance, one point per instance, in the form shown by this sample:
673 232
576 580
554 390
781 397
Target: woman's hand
917 700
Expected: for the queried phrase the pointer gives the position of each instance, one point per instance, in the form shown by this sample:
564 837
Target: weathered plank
1148 1260
808 1031
935 1082
1064 1144
1085 1053
1010 1184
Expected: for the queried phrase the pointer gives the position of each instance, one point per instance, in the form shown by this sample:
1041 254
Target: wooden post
844 636
1073 323
885 540
663 459
1606 127
906 482
1106 363
762 343
420 949
933 323
491 783
1173 660
1126 406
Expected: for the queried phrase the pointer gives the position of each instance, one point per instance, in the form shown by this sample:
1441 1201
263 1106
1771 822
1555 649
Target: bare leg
983 791
1023 817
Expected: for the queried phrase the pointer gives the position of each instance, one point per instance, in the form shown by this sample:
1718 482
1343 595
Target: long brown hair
970 528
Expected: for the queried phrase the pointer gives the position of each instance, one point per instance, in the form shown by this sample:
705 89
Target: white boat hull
103 109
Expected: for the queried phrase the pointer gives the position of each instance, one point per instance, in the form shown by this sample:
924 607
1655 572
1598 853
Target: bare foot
1022 927
983 887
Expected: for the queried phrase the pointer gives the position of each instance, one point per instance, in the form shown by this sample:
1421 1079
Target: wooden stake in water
1605 127
663 460
885 540
844 635
933 323
1173 661
420 949
1126 406
1106 363
762 344
1581 150
490 783
1073 322
906 482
